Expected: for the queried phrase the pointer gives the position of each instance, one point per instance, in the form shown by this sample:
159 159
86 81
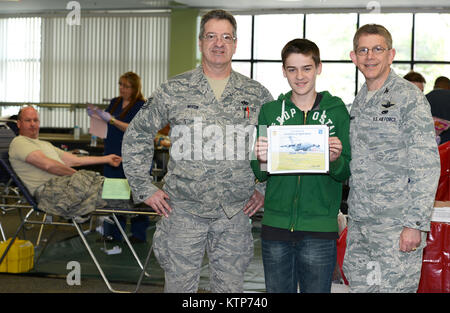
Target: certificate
298 149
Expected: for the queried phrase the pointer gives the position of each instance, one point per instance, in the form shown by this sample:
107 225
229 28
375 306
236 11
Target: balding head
28 122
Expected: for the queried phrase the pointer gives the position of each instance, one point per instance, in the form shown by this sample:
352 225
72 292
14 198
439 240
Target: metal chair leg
38 241
128 243
15 235
83 238
143 269
3 233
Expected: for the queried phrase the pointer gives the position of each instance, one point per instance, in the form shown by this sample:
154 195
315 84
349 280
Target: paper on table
116 188
98 127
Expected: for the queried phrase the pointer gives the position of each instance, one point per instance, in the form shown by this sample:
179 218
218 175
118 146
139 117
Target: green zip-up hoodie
306 202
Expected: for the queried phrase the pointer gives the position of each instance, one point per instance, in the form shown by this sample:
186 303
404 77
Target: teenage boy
299 228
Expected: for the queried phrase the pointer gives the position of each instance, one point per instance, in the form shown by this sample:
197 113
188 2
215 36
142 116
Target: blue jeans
309 263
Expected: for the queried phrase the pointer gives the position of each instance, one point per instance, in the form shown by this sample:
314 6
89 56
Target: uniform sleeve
138 148
423 164
340 169
261 176
255 164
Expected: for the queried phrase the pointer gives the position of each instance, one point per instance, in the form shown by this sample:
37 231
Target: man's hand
261 147
335 148
158 203
255 202
409 239
114 160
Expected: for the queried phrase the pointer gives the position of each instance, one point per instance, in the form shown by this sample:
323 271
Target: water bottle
76 132
93 141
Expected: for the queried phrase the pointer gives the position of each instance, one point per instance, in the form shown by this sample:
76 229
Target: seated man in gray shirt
48 172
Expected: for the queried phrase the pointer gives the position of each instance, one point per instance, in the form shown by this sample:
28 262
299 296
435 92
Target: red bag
443 191
341 245
435 275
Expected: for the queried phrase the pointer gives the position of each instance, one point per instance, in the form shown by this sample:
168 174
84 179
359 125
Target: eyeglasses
227 38
375 50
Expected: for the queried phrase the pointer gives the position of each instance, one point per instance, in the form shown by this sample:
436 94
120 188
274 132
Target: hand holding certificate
298 149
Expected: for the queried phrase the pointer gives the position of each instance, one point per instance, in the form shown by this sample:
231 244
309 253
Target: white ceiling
48 6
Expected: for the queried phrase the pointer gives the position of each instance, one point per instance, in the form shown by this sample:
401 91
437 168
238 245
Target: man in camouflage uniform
49 175
209 191
395 170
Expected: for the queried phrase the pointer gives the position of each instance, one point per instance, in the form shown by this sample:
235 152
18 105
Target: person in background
416 78
118 115
207 198
439 99
48 172
300 226
395 170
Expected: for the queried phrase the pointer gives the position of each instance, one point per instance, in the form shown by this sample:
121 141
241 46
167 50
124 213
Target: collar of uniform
363 93
199 81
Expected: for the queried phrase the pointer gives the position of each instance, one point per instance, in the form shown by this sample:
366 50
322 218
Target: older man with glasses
395 170
209 191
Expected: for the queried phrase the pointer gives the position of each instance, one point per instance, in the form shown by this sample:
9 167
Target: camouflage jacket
209 166
395 163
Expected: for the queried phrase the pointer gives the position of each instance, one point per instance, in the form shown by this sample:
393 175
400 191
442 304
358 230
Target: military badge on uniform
388 104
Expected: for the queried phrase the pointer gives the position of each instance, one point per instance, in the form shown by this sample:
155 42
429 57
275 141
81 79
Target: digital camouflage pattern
180 242
395 170
70 196
207 171
76 195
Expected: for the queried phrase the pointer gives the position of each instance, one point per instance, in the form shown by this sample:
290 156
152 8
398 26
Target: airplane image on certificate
298 149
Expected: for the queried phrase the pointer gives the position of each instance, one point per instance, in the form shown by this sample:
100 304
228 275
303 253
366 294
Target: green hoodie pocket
317 196
280 193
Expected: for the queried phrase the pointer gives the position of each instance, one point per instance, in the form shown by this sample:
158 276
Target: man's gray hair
220 15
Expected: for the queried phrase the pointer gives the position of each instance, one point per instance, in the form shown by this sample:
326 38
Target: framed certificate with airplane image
298 149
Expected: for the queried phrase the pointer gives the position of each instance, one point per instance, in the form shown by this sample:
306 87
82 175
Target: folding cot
47 219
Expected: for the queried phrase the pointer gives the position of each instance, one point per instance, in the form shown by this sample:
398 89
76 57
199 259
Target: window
421 44
273 31
335 43
401 36
432 44
20 53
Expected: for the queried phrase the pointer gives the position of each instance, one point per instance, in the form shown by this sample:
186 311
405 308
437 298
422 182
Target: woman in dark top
122 110
118 115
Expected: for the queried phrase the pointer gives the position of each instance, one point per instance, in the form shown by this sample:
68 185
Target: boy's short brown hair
303 46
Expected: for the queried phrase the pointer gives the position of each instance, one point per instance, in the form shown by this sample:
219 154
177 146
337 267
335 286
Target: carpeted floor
65 252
